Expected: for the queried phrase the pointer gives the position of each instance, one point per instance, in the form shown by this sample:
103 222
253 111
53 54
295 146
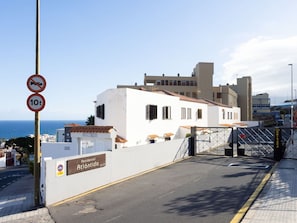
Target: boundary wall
3 161
120 164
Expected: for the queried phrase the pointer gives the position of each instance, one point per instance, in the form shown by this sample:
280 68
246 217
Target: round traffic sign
36 102
36 83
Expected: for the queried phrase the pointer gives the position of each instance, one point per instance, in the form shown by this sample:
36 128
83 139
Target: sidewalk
278 200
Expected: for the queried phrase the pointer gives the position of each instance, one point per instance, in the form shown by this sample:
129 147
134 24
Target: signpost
36 102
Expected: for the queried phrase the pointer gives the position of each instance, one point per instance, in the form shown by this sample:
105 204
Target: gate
211 140
257 142
261 142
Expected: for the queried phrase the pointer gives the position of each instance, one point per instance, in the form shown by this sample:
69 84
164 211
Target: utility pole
37 116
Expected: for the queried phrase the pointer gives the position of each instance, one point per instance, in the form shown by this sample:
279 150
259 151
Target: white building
126 117
141 116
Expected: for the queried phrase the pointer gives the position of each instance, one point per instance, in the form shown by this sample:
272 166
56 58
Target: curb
28 214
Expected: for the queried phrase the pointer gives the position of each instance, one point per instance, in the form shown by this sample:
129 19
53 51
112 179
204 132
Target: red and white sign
36 102
36 83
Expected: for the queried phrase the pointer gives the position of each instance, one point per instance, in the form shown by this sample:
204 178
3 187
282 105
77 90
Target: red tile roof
91 128
97 129
72 125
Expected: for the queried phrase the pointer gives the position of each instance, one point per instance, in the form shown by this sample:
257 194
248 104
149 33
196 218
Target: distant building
243 89
226 95
261 103
200 86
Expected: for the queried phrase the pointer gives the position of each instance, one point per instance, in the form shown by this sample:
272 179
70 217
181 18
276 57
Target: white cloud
266 61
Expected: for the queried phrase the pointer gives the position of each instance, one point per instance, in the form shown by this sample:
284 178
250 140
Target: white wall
115 110
58 149
60 135
216 116
3 161
120 164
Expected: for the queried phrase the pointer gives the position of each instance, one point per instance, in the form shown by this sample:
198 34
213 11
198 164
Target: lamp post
292 106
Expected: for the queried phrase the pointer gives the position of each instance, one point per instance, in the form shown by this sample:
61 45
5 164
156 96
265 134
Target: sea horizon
21 128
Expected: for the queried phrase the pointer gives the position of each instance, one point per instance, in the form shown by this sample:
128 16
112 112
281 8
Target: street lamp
292 106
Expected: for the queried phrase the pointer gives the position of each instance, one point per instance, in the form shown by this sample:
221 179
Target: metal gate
212 140
258 142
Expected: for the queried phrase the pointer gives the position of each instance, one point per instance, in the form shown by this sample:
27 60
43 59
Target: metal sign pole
37 119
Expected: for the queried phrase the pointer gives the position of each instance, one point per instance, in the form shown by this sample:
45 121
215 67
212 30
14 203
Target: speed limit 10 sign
36 102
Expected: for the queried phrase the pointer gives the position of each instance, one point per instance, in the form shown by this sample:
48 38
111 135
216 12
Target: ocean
20 128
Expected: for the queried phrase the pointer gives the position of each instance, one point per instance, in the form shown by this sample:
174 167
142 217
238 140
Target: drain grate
250 166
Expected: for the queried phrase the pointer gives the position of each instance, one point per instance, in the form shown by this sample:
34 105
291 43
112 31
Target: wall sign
60 169
86 163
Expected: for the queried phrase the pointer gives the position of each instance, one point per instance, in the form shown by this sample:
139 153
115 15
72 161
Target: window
224 114
199 113
100 111
189 113
166 112
151 112
219 95
183 113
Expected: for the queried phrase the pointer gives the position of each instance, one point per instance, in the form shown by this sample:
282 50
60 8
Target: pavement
274 201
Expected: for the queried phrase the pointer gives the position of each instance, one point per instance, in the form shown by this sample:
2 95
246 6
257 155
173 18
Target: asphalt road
202 189
11 175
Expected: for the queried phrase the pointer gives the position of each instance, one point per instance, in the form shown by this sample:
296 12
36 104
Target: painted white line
12 200
114 218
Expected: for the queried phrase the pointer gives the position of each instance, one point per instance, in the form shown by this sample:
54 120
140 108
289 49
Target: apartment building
200 86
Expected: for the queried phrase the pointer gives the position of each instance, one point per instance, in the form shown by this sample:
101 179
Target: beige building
225 95
244 92
200 85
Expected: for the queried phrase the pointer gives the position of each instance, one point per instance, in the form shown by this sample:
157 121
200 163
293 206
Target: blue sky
88 46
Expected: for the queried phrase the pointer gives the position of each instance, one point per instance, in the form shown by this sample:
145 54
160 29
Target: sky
89 46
